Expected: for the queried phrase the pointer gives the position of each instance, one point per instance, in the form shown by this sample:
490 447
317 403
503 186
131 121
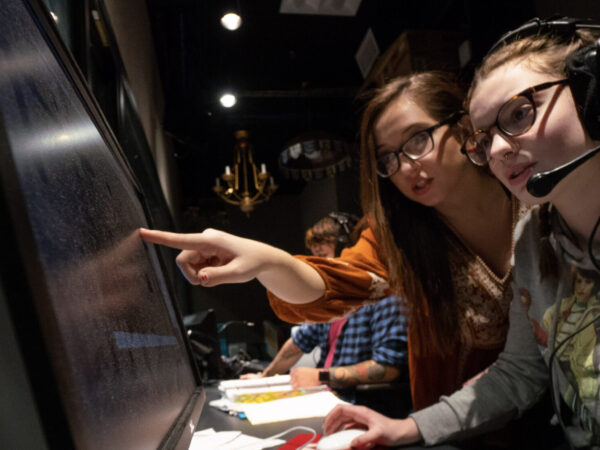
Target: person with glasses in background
530 120
439 235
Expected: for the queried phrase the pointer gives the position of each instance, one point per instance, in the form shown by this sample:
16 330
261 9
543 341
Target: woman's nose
502 147
408 165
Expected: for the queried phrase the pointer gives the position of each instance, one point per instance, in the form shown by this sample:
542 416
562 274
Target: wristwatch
324 376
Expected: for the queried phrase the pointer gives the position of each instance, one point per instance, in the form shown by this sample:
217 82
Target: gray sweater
521 374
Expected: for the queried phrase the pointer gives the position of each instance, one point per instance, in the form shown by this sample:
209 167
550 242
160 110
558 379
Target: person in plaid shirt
368 346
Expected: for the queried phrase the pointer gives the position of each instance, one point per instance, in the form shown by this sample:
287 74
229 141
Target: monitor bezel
24 298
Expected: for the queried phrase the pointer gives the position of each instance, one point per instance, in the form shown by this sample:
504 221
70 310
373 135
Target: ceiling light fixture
228 100
313 156
246 185
231 21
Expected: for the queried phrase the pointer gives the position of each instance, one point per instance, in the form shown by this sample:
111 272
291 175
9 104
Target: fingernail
203 277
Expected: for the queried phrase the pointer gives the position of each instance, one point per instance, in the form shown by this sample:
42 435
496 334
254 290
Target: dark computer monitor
204 338
93 352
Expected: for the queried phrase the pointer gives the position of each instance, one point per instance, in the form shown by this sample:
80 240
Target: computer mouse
339 440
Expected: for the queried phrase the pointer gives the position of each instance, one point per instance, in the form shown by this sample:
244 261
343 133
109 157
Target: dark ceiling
292 72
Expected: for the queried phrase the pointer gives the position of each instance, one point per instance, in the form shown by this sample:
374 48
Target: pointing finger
173 240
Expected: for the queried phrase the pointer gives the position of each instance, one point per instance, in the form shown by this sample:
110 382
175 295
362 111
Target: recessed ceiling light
231 21
228 100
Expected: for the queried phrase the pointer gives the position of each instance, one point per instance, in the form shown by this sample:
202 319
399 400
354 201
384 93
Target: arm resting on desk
342 377
365 372
289 355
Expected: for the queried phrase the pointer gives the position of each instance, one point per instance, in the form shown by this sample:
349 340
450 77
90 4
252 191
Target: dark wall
574 8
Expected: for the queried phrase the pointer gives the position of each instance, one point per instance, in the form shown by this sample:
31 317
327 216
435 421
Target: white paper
254 382
229 440
311 405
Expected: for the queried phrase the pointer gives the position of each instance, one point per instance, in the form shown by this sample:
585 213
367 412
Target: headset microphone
541 184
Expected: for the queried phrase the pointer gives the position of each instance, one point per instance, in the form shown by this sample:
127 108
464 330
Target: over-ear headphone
582 66
347 223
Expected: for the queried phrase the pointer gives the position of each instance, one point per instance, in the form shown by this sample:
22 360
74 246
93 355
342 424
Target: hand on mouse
380 429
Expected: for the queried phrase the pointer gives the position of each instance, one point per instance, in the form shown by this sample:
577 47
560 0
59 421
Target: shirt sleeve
356 278
389 328
514 383
306 337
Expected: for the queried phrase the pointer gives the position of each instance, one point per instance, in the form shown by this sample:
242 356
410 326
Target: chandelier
245 185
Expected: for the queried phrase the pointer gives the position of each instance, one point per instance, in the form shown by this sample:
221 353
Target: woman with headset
439 235
526 107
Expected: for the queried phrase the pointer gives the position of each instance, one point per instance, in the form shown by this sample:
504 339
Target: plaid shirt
376 332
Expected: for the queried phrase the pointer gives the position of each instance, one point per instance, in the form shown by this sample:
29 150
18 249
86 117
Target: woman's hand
380 429
214 257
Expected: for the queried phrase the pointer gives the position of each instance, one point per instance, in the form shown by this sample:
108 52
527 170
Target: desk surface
222 421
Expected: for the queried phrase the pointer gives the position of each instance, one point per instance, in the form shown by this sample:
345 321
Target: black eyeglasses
515 117
417 146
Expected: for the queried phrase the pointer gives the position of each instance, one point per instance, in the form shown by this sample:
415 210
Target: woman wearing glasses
527 122
440 234
443 227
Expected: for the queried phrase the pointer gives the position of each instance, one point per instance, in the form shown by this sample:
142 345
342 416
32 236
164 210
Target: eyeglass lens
417 146
514 118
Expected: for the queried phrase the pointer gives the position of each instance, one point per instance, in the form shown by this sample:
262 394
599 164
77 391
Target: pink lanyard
334 332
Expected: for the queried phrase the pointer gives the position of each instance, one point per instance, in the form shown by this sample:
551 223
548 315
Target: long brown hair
412 237
547 54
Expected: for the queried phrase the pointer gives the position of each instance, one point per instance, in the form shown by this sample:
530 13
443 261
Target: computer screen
204 338
94 319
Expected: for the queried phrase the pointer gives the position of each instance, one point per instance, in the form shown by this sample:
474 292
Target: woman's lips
422 186
519 174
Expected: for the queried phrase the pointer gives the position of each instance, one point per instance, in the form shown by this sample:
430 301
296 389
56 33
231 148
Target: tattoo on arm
289 354
362 373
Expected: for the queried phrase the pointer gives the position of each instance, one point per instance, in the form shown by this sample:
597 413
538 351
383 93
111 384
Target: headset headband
563 26
345 220
582 67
